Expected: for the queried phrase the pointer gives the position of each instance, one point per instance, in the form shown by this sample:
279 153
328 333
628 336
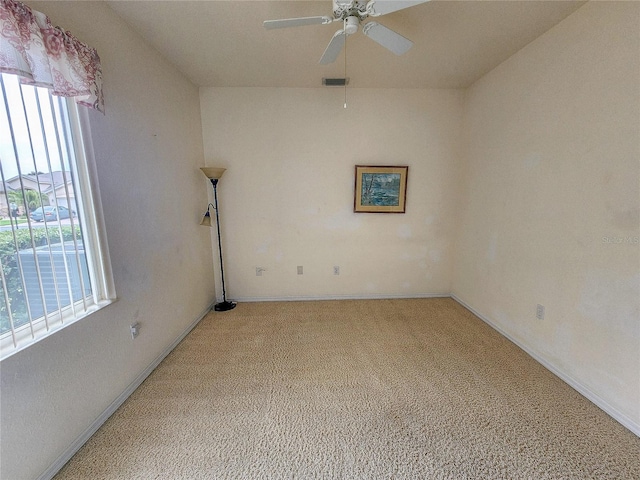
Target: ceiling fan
352 13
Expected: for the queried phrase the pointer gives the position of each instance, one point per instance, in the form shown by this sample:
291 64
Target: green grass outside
6 221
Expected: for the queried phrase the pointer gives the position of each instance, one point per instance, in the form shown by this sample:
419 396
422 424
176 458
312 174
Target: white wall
148 149
551 207
287 196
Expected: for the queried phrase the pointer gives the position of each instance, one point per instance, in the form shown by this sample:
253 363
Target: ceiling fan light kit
351 24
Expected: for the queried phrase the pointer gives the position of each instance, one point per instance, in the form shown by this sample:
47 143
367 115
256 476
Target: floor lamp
214 175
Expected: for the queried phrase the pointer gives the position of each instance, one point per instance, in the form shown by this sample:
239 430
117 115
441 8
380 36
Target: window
55 266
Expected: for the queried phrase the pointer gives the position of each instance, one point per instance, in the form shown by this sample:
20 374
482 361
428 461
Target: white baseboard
60 462
304 298
583 390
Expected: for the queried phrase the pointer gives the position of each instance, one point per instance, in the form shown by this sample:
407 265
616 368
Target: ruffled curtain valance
47 56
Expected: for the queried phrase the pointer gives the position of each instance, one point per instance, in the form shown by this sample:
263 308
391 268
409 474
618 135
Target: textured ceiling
223 43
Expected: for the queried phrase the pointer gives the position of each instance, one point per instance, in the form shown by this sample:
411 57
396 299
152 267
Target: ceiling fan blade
296 22
382 7
387 38
333 49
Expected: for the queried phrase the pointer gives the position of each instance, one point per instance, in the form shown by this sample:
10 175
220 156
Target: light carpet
383 389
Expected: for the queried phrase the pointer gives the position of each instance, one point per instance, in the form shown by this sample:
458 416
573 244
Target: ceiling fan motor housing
345 8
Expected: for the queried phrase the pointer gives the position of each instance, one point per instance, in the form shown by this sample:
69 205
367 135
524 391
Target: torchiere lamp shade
213 172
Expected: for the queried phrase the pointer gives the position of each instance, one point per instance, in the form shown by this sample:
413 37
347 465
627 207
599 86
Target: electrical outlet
259 271
135 330
336 270
540 312
299 269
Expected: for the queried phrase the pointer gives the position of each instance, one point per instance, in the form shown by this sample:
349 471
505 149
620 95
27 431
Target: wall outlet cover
135 330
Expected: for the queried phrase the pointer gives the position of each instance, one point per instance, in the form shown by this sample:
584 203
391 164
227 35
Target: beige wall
148 149
287 196
550 211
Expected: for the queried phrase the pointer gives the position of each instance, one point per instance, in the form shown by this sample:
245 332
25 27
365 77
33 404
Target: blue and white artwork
380 189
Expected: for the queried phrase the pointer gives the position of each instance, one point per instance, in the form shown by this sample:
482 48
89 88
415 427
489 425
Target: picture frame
380 189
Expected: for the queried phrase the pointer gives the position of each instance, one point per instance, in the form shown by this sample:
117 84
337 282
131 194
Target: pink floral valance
47 56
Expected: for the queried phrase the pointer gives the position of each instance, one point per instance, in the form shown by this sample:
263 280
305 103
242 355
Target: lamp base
224 306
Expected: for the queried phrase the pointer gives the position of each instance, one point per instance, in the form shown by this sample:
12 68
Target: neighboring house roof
46 181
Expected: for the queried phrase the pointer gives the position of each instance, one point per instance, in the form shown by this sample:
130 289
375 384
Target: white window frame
89 206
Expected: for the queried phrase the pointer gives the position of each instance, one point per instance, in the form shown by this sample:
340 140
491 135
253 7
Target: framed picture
380 189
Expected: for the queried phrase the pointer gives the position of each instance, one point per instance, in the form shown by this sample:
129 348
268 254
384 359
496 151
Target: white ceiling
223 43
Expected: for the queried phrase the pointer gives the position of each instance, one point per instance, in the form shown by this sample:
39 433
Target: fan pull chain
345 67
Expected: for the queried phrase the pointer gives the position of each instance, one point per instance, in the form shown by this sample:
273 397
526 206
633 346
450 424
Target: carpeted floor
384 389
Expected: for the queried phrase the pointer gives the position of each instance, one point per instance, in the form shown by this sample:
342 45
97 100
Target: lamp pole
224 305
214 174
